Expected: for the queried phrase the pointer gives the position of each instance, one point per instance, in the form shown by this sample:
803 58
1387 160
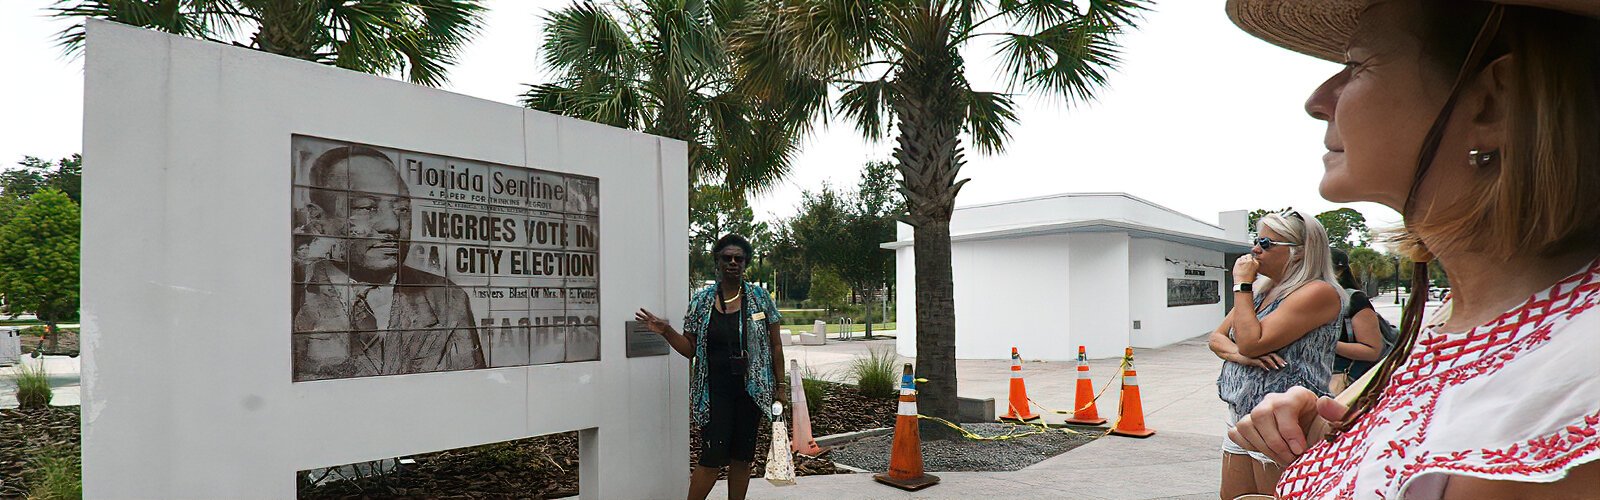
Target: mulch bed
67 345
547 466
25 433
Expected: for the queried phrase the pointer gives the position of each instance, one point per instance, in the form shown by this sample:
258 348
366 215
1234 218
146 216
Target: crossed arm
1255 340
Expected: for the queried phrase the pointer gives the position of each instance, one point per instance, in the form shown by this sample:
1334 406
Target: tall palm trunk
929 154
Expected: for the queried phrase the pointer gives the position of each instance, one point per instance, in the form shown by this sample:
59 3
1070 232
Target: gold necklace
735 297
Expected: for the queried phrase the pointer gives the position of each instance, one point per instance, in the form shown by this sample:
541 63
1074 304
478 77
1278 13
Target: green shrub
55 474
816 387
33 386
875 372
815 391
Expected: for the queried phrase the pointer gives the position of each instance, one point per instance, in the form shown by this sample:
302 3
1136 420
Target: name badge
759 316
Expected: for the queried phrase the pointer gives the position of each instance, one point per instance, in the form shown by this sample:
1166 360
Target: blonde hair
1311 261
1537 199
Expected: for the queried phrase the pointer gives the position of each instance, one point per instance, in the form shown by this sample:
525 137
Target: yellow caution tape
1102 392
977 437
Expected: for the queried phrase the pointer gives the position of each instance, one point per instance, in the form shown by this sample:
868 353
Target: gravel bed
968 455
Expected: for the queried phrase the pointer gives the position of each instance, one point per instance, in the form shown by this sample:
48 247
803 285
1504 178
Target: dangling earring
1482 159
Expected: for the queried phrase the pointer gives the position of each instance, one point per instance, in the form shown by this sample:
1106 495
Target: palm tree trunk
936 330
929 153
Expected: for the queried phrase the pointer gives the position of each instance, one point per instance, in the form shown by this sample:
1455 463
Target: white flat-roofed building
1102 270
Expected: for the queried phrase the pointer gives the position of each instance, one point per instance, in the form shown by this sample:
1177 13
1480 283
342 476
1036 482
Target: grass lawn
20 322
853 327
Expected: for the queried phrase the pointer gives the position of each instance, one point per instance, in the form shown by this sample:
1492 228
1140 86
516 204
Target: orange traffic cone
1130 415
802 441
1084 412
905 458
1019 411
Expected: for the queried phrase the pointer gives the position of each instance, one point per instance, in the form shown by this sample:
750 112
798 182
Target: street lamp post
1397 280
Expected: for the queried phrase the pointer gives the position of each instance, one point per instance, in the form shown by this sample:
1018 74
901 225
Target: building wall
1003 289
1047 295
1097 296
905 301
1147 297
1011 293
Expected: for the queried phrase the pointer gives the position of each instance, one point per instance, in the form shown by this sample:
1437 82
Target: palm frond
1118 12
585 36
1071 59
193 18
989 116
870 106
682 39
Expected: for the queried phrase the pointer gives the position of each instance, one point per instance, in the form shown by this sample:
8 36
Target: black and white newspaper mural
408 262
1192 292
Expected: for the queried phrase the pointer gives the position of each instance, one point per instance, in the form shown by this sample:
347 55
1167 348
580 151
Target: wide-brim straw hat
1322 28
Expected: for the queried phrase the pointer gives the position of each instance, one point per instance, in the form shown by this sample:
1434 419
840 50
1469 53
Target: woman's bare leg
738 479
1238 476
1266 476
701 480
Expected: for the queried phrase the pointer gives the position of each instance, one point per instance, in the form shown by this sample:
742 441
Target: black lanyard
744 302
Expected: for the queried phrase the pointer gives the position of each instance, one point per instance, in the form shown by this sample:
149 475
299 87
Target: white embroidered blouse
1515 399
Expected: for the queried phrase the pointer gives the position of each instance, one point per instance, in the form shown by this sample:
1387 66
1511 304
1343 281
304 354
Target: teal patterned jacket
758 381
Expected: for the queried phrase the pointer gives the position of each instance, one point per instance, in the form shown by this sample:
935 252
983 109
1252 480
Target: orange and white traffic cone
802 441
1019 411
1130 414
1084 412
905 458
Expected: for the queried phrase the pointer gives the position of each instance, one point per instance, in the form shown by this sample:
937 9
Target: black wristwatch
1243 286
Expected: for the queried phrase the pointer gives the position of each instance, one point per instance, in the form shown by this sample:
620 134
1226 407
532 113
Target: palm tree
899 65
418 38
662 66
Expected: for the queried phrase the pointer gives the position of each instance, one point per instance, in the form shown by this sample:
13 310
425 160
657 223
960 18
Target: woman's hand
1283 423
1244 269
1272 361
1269 362
652 322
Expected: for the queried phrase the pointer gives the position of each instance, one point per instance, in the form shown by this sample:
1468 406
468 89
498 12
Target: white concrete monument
289 266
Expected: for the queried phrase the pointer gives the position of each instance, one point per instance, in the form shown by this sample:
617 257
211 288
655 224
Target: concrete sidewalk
62 372
1178 387
1177 384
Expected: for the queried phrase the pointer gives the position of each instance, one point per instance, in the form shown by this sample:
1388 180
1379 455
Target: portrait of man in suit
359 310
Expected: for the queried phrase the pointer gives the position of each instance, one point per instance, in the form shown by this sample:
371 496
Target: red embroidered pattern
1406 408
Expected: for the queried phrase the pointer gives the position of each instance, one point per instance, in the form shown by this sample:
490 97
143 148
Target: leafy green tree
417 38
39 258
1347 228
827 290
901 72
865 266
662 66
17 184
713 212
1370 268
1257 214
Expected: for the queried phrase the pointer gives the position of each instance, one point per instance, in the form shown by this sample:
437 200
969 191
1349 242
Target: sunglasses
1266 243
732 258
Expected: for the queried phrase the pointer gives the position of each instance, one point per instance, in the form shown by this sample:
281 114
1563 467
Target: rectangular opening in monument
540 466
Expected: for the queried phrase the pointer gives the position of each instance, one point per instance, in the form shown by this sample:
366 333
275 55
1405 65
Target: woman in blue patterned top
1280 333
731 335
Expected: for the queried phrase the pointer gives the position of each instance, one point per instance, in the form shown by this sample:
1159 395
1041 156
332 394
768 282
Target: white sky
1201 118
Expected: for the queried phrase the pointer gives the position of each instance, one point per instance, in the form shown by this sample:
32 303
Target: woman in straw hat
1480 123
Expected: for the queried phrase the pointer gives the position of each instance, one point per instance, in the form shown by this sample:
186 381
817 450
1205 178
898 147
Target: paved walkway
1177 385
62 372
